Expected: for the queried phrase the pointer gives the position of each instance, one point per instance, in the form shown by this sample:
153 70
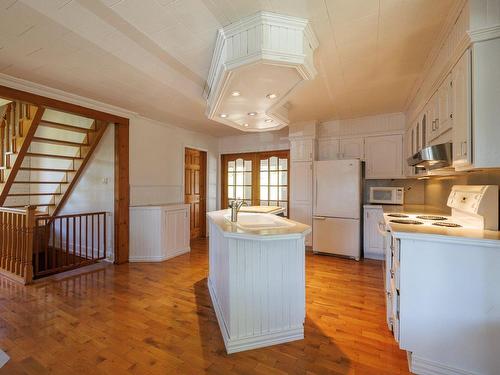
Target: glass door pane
274 182
239 180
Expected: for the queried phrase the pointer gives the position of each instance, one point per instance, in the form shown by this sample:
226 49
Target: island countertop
284 227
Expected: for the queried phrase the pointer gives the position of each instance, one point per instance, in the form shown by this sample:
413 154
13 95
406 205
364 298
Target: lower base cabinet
158 233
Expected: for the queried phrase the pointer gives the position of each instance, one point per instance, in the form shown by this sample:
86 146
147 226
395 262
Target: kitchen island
257 278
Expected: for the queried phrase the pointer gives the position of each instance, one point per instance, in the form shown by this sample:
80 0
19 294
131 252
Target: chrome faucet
235 207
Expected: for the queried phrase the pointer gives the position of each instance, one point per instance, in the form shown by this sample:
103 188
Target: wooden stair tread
57 125
54 156
31 194
46 169
58 142
40 182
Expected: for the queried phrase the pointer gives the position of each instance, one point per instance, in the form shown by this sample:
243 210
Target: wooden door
195 166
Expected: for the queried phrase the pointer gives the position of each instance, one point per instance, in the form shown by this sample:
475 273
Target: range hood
432 157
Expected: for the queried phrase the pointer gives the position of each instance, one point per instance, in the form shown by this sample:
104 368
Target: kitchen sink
252 221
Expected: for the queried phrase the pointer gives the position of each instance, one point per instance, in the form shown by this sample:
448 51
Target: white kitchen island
257 279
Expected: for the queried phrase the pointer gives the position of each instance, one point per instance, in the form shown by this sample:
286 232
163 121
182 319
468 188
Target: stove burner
415 222
398 215
448 225
431 217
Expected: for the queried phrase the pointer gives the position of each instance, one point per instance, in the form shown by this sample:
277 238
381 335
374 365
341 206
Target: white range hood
257 62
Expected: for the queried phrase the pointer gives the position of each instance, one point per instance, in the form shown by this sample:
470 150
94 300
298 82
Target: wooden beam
21 154
10 93
122 192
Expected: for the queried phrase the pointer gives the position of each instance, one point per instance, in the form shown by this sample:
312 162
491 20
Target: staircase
42 154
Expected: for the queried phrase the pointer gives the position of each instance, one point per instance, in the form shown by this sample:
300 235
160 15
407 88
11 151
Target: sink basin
260 221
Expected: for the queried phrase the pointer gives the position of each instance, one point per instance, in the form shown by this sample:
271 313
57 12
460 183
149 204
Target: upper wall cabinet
384 157
476 82
302 150
352 148
328 148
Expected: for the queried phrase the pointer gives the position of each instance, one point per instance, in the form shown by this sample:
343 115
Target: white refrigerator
337 207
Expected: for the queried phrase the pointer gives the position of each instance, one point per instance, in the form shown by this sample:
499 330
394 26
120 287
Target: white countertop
231 229
487 237
262 209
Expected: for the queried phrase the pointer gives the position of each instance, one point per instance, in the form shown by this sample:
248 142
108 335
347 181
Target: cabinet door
461 76
176 231
374 244
433 116
445 105
302 213
384 156
328 149
302 150
301 182
352 148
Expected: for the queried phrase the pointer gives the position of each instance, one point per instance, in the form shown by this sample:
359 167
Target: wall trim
419 365
158 258
64 96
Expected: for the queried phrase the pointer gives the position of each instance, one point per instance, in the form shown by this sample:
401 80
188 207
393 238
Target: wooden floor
158 319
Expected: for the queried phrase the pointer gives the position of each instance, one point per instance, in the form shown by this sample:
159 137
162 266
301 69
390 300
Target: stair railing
16 243
66 242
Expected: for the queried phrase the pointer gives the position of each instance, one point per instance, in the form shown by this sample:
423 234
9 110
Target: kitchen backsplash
414 189
437 189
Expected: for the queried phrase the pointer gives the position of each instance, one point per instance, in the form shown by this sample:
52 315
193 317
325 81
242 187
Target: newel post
28 247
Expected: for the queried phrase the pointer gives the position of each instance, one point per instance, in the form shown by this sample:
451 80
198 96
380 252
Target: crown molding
64 96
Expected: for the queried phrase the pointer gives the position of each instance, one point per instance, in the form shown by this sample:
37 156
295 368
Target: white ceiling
153 56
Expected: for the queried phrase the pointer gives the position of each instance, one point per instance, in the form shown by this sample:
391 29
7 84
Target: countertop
231 229
487 237
262 209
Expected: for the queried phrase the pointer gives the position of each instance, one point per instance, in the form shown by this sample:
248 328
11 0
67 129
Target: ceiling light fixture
272 96
252 113
268 120
245 125
235 93
223 115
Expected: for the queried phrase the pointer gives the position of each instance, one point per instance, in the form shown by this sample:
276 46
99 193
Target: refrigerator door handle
315 193
319 218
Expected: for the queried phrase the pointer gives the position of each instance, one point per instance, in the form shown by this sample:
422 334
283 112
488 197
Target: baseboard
375 256
157 258
253 342
422 366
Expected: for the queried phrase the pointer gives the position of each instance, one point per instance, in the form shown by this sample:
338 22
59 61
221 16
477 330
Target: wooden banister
16 243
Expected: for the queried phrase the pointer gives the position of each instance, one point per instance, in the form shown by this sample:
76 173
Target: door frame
204 165
256 157
121 167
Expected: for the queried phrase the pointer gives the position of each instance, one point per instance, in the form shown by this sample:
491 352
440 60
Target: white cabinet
373 240
302 150
158 233
301 180
462 111
328 148
351 148
383 156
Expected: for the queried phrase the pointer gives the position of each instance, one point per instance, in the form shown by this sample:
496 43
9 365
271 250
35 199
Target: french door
258 178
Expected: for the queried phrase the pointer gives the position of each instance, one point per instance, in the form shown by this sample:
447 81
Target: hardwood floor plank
158 319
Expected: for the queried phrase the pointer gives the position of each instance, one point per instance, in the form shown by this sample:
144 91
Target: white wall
254 142
157 162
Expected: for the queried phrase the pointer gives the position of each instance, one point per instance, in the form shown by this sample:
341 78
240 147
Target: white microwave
387 195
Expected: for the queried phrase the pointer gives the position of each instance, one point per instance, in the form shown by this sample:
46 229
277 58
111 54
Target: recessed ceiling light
272 96
245 125
268 120
223 115
235 93
252 113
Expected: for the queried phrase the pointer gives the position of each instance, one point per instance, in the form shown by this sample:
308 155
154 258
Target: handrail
16 243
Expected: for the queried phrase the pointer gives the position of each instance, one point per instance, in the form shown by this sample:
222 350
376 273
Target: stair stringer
86 153
22 144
